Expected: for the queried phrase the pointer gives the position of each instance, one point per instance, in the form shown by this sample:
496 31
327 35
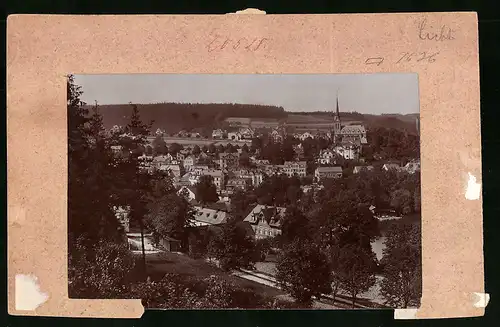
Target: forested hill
174 117
177 116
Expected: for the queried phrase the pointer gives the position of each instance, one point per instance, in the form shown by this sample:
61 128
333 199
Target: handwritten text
405 57
445 33
218 43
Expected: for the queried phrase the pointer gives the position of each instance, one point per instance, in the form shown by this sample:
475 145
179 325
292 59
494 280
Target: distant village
234 162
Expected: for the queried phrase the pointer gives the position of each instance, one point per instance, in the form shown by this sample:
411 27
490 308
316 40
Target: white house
189 162
292 168
348 150
265 220
326 157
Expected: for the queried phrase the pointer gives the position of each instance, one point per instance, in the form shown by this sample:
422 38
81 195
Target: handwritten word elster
219 42
445 33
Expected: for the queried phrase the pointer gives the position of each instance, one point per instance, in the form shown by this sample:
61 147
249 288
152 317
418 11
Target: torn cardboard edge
249 11
481 300
28 293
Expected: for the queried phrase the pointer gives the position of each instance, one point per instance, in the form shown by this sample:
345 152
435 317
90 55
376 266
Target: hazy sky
364 93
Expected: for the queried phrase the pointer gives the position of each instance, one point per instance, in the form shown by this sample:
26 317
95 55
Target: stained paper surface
441 47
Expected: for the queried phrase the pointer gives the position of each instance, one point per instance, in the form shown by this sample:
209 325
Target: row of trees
98 183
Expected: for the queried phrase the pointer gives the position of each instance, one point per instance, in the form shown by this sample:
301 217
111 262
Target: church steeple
336 121
337 113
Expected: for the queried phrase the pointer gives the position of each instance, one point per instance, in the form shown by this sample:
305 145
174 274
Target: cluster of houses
229 175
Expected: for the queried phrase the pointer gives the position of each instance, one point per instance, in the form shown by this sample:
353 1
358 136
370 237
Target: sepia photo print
205 191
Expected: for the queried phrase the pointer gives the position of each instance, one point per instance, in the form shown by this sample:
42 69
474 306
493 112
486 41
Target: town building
347 132
271 170
327 157
295 168
188 191
228 160
175 170
189 162
247 133
358 169
265 220
199 169
235 184
254 177
322 173
349 150
238 121
234 136
205 216
298 150
260 162
305 136
218 178
217 134
276 136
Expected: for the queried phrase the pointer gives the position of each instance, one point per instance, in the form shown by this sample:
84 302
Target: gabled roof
210 216
213 173
266 214
353 129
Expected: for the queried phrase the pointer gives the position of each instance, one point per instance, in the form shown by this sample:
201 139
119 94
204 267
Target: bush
99 271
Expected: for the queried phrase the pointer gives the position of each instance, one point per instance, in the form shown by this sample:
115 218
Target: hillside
321 119
174 117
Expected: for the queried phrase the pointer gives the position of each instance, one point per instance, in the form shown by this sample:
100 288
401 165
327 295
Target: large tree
159 145
402 267
304 271
206 190
295 225
169 216
355 268
97 248
234 247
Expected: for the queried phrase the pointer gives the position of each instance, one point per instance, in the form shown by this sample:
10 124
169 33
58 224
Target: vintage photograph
234 191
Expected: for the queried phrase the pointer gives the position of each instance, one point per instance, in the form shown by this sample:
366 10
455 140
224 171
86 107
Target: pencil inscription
405 57
417 56
445 33
218 42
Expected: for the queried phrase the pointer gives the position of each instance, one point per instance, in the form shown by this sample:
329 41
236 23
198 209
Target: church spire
337 110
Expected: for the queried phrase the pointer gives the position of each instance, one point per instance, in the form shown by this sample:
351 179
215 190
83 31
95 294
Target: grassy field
163 263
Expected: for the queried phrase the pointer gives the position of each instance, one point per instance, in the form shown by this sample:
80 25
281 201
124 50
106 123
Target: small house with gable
265 220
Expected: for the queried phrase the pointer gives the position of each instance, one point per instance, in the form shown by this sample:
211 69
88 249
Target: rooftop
329 169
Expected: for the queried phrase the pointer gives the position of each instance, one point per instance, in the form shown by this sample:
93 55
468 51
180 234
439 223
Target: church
343 133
